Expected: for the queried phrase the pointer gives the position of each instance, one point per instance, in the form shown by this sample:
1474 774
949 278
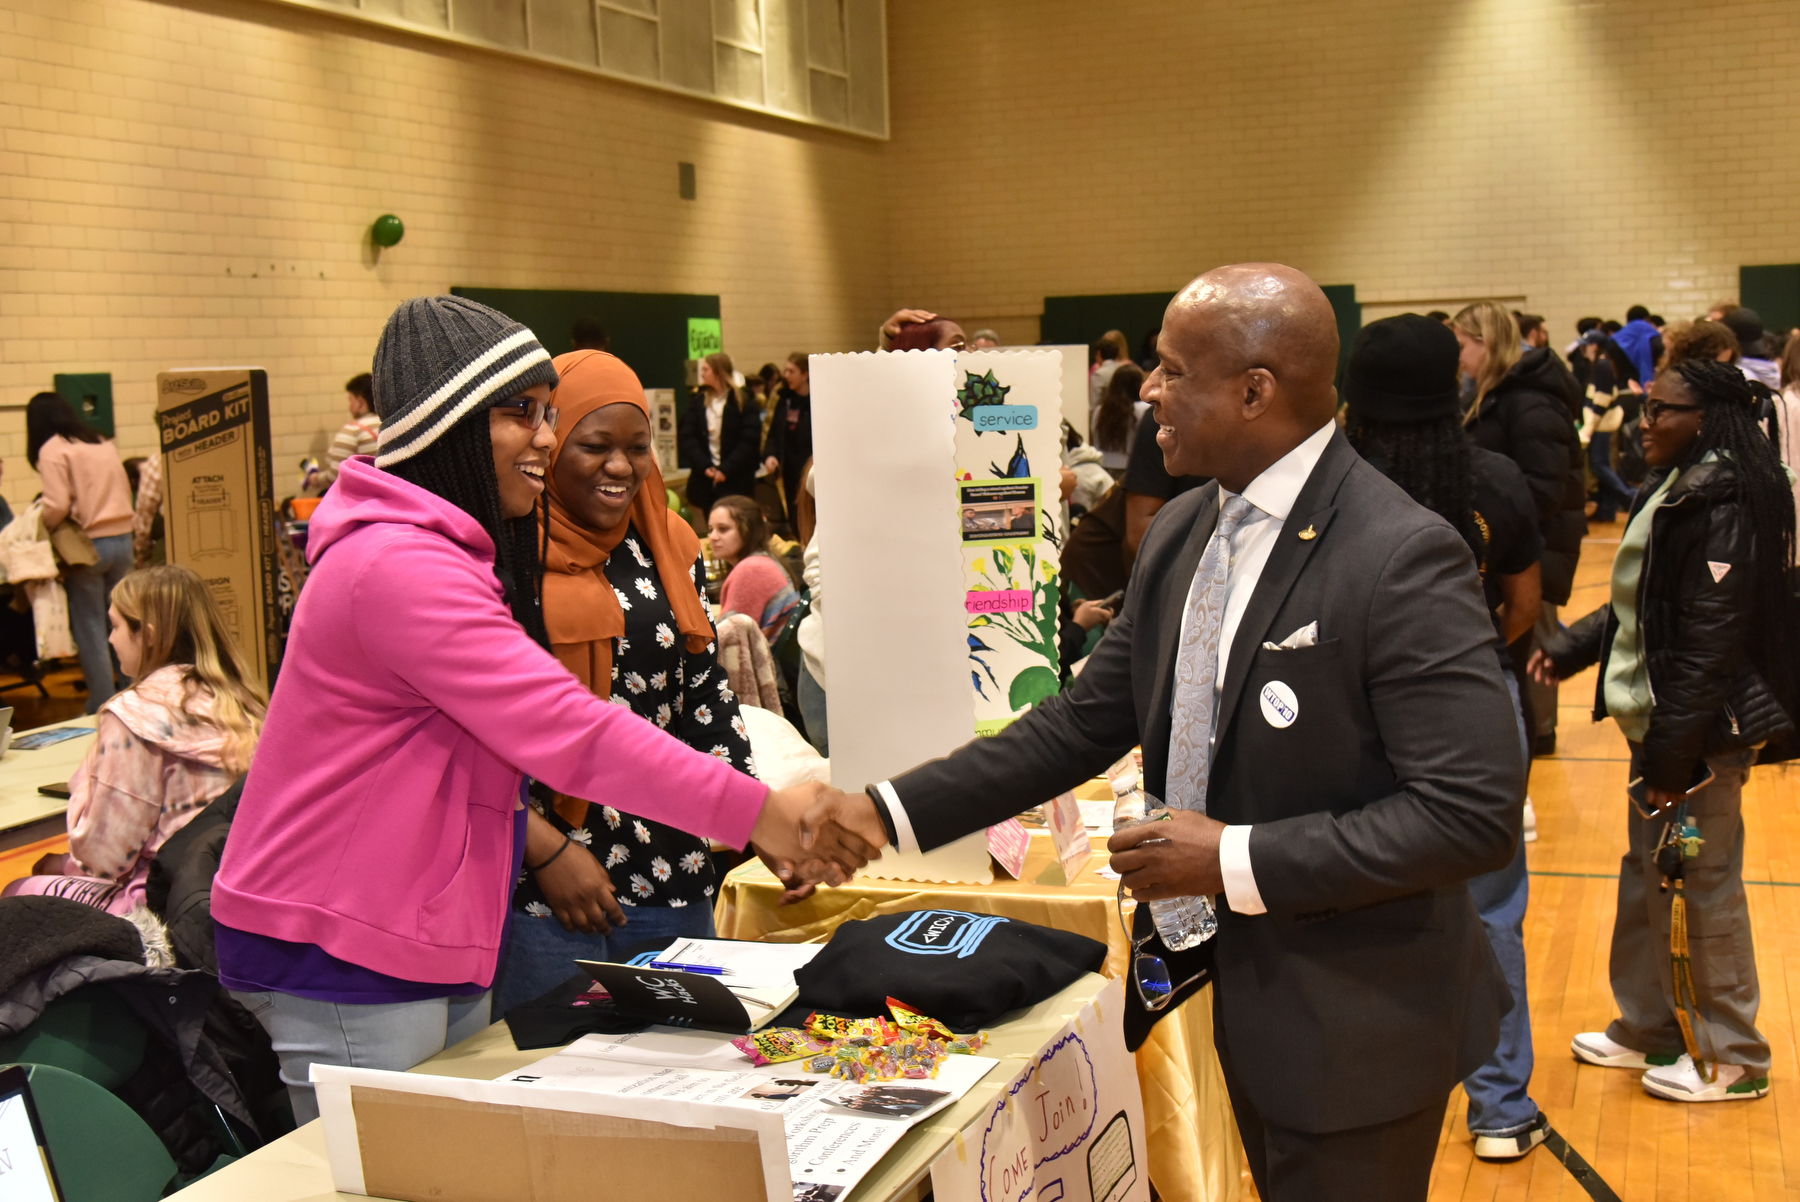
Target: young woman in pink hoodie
363 894
167 745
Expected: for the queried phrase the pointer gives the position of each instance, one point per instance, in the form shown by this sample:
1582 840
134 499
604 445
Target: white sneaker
1681 1082
1530 822
1595 1048
1512 1147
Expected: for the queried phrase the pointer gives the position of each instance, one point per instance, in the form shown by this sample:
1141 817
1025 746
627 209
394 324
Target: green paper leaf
1031 686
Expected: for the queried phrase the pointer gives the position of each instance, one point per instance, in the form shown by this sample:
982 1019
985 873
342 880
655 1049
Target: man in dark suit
1306 659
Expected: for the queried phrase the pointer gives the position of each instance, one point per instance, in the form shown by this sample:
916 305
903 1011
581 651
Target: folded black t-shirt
965 970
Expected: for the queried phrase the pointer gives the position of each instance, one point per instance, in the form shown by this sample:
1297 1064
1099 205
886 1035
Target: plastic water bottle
1183 922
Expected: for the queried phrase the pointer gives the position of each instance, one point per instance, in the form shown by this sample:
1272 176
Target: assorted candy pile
910 1045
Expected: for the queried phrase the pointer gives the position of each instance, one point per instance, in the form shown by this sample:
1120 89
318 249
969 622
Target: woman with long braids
364 890
1400 386
1695 653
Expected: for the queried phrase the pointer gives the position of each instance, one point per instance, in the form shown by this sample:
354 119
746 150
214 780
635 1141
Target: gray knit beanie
442 358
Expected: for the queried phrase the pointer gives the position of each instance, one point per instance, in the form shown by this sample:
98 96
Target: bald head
1249 355
1269 316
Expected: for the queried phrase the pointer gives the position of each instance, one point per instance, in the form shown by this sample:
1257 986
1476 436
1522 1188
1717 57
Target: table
294 1168
1194 1152
26 815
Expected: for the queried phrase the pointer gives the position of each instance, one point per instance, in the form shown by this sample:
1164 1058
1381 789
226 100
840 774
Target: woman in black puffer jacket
1695 654
1523 410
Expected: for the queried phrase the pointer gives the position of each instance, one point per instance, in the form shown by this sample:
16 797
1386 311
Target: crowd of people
413 850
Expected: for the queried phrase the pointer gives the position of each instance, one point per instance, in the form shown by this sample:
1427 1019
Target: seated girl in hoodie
167 746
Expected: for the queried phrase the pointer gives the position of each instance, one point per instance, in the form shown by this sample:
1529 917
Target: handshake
813 834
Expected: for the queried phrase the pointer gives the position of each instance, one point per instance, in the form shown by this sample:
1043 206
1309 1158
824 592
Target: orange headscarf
581 611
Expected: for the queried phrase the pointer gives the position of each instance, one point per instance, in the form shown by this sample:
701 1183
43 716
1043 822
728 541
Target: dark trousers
1385 1162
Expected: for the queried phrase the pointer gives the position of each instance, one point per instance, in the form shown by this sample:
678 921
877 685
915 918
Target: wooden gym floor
1645 1149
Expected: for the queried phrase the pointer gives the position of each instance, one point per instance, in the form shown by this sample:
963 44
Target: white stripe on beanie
487 377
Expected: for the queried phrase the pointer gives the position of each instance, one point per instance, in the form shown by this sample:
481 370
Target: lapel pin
1308 534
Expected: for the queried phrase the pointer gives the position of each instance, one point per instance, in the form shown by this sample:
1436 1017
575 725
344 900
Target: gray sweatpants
1719 940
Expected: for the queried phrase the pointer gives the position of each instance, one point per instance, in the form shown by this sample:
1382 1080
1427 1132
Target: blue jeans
1499 1091
540 954
90 589
388 1035
812 710
1615 494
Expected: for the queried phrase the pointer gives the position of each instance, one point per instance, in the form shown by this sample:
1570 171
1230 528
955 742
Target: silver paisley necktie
1197 665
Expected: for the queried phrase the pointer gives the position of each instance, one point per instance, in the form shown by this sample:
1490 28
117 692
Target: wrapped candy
911 1020
777 1045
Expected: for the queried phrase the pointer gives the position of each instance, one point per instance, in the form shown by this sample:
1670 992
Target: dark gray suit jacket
1368 990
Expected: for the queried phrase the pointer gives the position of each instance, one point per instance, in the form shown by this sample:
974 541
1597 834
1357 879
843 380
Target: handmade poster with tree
1009 506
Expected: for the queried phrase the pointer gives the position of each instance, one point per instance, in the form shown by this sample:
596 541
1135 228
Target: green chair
90 1032
103 1151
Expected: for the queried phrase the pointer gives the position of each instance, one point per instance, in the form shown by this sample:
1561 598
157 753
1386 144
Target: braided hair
1431 461
459 467
1729 428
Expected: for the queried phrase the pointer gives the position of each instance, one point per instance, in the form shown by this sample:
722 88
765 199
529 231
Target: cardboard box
219 497
412 1136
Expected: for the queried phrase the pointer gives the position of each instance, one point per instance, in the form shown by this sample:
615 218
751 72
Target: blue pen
705 970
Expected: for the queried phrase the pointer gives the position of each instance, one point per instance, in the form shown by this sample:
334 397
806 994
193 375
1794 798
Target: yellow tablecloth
1193 1143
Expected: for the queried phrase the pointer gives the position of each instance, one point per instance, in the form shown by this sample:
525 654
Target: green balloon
388 230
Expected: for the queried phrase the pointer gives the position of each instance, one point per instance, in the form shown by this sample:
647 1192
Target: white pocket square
1306 636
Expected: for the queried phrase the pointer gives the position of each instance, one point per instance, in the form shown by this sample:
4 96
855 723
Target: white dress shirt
1273 494
715 423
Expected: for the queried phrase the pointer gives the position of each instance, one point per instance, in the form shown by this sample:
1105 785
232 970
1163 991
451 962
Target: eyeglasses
534 412
1655 411
1149 972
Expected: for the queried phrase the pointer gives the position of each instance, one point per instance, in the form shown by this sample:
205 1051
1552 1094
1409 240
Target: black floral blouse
684 692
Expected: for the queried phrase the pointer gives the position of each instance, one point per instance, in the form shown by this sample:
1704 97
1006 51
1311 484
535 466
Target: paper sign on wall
1068 1128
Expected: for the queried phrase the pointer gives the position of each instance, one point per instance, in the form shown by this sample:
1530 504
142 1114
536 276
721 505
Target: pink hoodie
377 821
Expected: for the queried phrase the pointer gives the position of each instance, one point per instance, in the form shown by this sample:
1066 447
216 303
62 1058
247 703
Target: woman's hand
54 864
1089 614
580 893
902 318
794 887
715 475
1662 800
1542 670
773 464
575 886
822 842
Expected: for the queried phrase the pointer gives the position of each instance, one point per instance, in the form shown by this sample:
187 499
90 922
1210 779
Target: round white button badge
1279 705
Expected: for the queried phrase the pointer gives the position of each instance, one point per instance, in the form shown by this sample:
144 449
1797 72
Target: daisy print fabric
684 693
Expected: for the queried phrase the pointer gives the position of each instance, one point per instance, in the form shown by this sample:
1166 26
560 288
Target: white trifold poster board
940 530
1069 1126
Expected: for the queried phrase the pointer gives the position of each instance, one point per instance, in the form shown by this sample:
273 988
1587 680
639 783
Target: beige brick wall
183 186
1576 156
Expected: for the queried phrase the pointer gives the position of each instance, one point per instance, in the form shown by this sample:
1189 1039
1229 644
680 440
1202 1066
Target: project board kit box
416 1137
219 497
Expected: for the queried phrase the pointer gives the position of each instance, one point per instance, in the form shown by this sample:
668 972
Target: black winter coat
790 441
740 438
1526 419
1696 601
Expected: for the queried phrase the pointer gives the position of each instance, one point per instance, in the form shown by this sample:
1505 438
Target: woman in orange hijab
622 603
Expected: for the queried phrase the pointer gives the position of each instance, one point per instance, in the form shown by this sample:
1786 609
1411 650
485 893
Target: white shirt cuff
1234 865
904 839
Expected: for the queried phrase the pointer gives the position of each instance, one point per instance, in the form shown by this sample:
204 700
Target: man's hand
1174 858
715 475
54 864
822 840
1542 670
1662 800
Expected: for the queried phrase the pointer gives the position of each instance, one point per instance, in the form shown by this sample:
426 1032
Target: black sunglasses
1655 411
1149 972
535 412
